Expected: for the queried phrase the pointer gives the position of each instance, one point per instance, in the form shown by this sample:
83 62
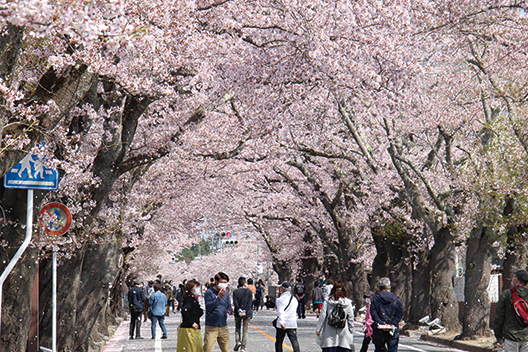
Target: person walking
508 330
300 294
386 310
286 318
317 298
167 290
327 288
149 290
179 295
259 295
189 335
157 303
217 306
336 339
367 324
242 300
136 297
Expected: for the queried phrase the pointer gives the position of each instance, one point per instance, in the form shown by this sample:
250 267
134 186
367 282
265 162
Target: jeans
384 341
161 320
292 335
241 331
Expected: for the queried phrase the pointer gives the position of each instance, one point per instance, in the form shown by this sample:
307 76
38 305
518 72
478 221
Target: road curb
456 344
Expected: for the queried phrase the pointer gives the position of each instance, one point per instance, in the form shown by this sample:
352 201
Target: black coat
191 312
243 299
136 297
386 308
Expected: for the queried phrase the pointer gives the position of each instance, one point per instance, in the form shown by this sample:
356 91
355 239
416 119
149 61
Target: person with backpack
386 310
336 321
509 326
300 293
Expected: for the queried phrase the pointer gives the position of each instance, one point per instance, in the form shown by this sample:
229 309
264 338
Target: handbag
135 309
274 321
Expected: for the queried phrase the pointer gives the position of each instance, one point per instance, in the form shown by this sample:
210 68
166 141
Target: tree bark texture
475 321
400 273
420 303
16 293
85 293
516 254
444 304
310 267
381 263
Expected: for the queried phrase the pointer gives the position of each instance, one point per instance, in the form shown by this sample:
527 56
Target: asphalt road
260 339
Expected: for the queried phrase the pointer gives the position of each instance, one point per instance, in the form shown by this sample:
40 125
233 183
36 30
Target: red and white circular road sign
55 218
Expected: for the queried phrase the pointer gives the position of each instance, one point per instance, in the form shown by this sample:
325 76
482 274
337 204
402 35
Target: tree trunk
516 254
283 270
420 304
475 321
380 265
310 268
356 277
444 303
400 273
84 287
16 291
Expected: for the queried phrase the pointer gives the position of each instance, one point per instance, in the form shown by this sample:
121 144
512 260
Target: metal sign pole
18 254
54 298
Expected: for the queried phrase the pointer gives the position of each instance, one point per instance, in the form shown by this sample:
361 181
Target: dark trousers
366 343
301 309
384 341
292 335
135 324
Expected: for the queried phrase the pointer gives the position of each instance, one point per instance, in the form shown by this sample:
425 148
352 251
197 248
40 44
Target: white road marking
157 344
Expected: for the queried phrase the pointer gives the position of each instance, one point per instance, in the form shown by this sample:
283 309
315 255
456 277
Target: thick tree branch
226 155
345 114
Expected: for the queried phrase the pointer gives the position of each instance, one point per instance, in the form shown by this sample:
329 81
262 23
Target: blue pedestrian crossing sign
31 173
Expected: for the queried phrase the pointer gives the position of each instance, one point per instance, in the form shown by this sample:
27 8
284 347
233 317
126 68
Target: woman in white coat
334 339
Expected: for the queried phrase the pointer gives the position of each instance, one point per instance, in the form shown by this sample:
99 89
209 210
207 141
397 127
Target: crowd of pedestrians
333 308
331 304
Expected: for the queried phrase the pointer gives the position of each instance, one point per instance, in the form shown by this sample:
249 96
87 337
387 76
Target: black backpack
299 289
338 317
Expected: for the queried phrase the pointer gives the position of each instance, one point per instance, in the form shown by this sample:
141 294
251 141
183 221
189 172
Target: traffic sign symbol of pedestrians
31 173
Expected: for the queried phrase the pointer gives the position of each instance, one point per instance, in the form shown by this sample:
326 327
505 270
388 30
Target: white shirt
288 317
327 290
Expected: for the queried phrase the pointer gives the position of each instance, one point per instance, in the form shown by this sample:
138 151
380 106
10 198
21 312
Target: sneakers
131 338
237 346
139 338
164 337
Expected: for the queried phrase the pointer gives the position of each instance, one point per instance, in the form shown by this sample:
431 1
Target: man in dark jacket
242 300
386 310
508 330
136 297
300 293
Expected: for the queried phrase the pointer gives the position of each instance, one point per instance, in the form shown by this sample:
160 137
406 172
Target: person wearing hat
136 297
508 330
286 318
